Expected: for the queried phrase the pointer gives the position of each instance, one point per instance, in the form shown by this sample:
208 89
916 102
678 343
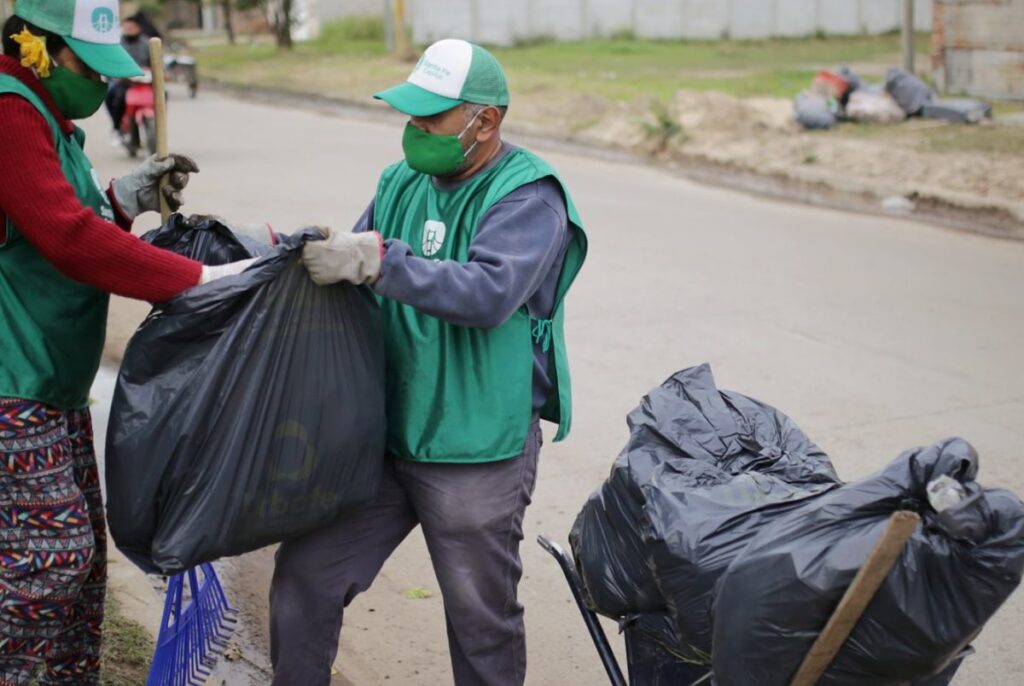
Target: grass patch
1002 109
627 68
664 129
350 59
358 29
991 140
936 137
127 649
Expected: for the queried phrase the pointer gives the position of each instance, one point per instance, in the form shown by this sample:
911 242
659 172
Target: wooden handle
156 66
867 582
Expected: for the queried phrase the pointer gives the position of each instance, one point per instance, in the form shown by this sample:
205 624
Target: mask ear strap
463 132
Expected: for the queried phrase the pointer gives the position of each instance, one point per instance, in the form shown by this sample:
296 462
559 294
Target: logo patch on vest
433 237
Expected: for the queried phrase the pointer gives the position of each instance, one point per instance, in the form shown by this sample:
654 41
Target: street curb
990 221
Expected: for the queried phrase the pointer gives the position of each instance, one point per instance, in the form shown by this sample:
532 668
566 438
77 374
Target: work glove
219 271
139 191
343 256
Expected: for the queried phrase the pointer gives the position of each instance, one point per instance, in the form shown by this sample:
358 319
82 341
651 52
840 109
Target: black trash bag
851 78
814 111
957 569
205 239
247 410
957 110
653 655
910 92
702 471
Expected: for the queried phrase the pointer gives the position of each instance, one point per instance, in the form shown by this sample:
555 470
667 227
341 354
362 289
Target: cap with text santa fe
449 73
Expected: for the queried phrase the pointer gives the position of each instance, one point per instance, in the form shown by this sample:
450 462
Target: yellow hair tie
33 52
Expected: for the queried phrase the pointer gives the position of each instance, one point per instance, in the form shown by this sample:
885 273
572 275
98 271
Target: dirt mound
700 112
759 135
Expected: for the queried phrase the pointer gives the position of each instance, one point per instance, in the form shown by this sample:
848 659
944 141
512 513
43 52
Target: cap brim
107 60
415 101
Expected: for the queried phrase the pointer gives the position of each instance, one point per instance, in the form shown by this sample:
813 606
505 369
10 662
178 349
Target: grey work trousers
472 519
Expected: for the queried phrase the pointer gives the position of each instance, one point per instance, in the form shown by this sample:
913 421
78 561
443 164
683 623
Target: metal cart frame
651 665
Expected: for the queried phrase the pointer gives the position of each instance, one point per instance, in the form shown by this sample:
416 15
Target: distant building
978 47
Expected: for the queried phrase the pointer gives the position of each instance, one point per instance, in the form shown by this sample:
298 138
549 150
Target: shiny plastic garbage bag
704 470
910 92
247 411
960 565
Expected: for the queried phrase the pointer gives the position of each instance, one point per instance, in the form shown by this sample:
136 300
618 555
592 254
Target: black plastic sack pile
960 565
247 410
704 470
911 93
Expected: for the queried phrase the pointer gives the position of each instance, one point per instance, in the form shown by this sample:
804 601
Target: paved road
875 334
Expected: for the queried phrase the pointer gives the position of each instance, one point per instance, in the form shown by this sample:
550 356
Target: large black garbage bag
702 472
814 111
246 411
957 569
206 239
910 92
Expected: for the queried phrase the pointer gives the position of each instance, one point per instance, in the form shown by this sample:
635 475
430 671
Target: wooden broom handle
156 66
867 582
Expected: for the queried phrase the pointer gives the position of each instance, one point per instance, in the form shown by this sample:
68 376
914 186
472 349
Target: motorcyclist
135 41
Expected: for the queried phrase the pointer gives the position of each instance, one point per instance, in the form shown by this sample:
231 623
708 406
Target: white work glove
343 256
219 271
138 192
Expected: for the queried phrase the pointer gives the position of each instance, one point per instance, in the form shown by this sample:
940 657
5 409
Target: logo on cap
103 19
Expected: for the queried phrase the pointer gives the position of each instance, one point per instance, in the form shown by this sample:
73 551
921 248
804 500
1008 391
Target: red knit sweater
42 203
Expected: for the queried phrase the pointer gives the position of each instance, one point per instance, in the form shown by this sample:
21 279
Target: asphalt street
876 334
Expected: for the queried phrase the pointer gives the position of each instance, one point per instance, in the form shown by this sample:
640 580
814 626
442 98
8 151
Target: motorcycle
181 68
138 125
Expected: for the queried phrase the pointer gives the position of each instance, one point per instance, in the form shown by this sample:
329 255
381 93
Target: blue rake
194 630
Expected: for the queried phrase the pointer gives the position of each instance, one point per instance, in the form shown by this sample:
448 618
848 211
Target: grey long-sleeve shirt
515 258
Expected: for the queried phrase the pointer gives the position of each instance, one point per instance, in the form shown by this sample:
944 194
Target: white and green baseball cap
449 73
91 28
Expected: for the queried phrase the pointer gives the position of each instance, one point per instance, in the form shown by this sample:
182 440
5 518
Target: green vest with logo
53 326
455 393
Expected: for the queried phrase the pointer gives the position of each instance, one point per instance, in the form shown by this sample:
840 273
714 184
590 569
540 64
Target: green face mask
77 97
435 154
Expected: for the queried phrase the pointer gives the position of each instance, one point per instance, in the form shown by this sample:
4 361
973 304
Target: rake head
196 625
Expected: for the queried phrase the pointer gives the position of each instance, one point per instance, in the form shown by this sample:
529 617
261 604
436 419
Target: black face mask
132 39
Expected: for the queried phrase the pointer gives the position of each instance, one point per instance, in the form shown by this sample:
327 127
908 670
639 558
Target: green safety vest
455 393
53 326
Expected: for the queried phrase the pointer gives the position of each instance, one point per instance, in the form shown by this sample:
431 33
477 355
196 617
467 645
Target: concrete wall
504 22
331 10
978 47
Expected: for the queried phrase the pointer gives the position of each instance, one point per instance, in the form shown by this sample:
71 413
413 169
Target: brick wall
978 47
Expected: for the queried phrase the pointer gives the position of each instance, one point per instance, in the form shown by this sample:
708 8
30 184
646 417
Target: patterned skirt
53 565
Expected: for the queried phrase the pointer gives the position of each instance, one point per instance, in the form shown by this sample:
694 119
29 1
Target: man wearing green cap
65 245
471 244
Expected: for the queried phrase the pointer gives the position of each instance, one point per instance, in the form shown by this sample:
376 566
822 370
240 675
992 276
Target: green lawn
624 69
350 60
568 81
